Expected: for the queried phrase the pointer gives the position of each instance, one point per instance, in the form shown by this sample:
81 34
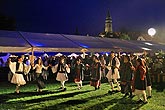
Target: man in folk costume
18 69
140 81
61 69
95 73
113 73
79 73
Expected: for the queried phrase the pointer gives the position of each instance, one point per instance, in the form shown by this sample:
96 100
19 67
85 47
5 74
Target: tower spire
108 14
108 23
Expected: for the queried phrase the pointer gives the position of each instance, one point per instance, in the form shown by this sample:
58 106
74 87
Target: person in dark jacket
79 73
140 80
95 73
126 76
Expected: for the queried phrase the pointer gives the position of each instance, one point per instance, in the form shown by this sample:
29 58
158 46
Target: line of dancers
130 76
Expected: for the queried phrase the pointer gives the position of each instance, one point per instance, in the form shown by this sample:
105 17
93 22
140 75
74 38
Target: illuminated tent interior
15 41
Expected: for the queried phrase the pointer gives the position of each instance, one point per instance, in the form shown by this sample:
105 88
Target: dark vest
17 67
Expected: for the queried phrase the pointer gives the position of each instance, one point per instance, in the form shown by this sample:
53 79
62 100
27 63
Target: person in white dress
18 69
38 71
61 69
113 73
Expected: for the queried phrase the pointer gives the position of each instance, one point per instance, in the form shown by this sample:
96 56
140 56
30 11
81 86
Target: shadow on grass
38 100
117 104
73 102
65 105
6 97
83 83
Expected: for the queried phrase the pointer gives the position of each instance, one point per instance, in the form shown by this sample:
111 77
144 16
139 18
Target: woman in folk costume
126 76
79 73
113 73
18 69
103 63
62 70
140 81
38 71
95 73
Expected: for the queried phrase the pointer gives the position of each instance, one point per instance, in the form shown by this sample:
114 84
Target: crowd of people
130 73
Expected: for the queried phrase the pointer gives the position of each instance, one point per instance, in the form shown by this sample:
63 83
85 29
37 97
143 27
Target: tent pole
32 58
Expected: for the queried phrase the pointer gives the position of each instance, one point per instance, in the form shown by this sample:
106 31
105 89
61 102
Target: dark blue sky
63 16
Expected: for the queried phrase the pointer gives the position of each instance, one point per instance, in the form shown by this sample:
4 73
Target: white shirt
39 68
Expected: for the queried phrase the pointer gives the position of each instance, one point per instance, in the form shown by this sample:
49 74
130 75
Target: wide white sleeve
44 67
109 66
34 67
117 62
12 67
54 68
27 69
67 69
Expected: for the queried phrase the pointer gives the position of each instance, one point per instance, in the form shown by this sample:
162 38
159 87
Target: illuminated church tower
108 27
108 24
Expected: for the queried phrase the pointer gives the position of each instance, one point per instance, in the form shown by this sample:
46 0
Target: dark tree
77 31
7 23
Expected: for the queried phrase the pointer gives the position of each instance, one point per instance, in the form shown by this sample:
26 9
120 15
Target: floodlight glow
151 31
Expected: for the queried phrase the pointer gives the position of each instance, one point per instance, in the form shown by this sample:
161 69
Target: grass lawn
72 99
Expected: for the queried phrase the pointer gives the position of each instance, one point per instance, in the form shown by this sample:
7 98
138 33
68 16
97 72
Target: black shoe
126 95
145 102
116 91
110 92
131 96
139 101
149 97
64 89
16 92
60 88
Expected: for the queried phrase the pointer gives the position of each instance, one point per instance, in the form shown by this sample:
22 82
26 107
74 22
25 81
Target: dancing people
19 69
39 74
126 73
95 73
113 73
62 70
140 81
79 73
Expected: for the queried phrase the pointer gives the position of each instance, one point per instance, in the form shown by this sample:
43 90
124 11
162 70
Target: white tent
13 41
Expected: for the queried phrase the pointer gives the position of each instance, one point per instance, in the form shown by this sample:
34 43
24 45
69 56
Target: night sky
63 16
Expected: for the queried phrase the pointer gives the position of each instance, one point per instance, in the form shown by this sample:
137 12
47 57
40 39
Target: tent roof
93 44
14 41
50 42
